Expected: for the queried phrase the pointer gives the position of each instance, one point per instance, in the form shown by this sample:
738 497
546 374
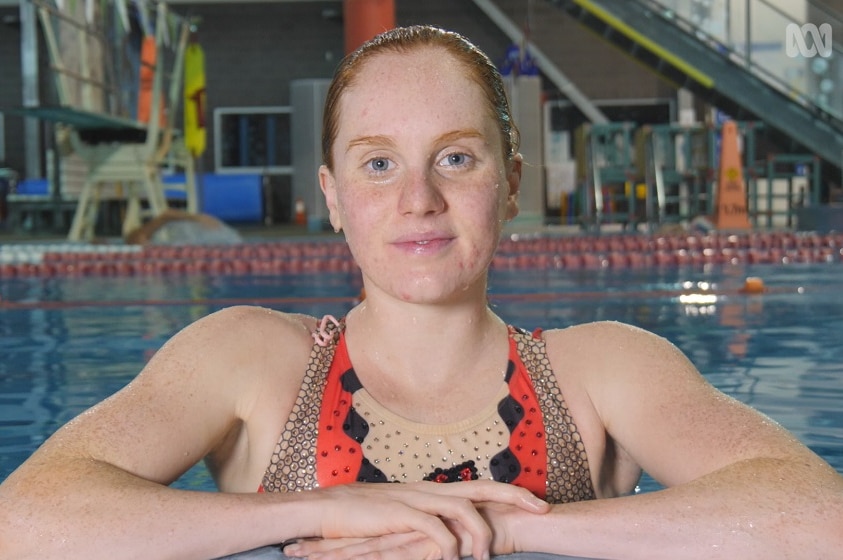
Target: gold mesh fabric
568 475
293 464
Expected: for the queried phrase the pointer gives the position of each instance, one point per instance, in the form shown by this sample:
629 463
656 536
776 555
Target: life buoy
194 99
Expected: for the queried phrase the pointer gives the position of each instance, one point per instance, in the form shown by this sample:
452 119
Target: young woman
420 384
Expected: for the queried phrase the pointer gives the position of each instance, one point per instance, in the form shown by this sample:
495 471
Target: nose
420 194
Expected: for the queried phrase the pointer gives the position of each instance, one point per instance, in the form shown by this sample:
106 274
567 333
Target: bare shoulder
659 411
601 344
236 352
250 324
615 330
241 339
225 380
251 362
599 366
235 337
612 361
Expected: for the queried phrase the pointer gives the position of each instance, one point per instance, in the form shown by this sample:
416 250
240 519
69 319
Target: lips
423 243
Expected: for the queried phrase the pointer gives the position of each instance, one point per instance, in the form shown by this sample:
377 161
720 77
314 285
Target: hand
397 546
413 545
504 520
433 520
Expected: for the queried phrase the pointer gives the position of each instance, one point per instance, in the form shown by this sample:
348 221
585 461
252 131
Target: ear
513 179
328 184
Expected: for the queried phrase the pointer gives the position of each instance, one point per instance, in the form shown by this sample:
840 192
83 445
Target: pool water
69 342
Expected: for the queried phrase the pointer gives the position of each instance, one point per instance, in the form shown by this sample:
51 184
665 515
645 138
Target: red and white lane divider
515 252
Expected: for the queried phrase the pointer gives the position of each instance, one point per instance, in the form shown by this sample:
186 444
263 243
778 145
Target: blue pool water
67 343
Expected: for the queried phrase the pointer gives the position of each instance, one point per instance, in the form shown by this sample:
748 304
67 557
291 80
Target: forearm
739 512
98 511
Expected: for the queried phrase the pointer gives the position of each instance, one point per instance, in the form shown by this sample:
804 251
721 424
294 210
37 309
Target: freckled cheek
475 258
356 210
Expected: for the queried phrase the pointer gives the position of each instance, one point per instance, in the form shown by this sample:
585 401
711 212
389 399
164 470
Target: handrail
551 70
826 100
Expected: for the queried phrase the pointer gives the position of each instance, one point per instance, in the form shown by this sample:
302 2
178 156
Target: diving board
117 69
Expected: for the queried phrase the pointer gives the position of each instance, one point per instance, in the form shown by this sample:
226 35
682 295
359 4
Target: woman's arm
738 485
727 514
98 487
99 484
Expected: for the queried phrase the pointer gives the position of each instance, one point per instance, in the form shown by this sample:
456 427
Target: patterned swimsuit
337 433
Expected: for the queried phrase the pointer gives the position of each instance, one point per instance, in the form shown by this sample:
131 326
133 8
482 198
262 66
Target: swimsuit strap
568 474
293 464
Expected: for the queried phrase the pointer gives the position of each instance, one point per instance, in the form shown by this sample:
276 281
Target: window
252 140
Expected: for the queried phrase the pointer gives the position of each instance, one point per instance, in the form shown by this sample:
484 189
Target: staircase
742 65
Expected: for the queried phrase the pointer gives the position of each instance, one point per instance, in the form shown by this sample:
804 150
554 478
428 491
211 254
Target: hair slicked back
404 39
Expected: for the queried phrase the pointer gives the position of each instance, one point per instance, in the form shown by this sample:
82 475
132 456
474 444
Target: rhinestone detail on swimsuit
498 441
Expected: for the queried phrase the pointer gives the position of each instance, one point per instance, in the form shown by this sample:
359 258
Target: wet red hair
404 39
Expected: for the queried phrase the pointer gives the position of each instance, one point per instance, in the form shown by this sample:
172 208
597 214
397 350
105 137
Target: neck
424 343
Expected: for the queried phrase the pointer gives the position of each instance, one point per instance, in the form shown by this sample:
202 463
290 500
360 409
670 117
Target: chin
436 294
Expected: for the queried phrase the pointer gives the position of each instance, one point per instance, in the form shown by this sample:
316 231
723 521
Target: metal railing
794 51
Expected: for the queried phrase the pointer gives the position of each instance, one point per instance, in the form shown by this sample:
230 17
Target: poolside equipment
605 154
301 213
115 117
730 208
194 98
696 45
654 177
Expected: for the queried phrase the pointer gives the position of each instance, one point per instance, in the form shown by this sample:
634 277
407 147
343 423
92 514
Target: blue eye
455 159
379 164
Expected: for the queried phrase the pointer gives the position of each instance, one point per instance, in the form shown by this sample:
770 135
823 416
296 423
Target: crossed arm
737 484
98 488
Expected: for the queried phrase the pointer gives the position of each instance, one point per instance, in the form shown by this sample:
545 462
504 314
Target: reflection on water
68 343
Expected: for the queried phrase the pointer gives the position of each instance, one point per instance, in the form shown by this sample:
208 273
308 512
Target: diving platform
117 68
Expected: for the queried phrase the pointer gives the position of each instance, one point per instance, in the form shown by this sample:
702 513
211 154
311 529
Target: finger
489 491
306 547
454 508
463 511
404 512
397 546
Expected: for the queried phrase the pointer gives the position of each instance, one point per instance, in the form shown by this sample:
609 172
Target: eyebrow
380 140
459 134
376 140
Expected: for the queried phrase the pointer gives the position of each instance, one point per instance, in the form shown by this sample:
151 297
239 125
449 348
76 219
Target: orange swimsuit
337 433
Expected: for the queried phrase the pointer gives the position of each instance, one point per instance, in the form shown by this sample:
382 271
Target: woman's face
420 185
